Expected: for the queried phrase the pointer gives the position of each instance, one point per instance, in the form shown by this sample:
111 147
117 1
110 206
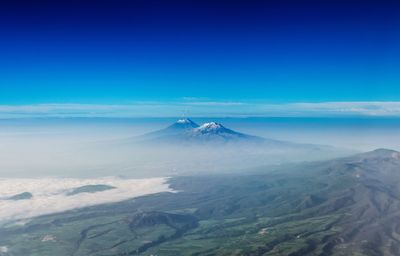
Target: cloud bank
201 108
50 194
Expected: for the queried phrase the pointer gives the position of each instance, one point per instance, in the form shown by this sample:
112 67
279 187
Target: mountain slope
187 148
346 206
187 131
372 225
175 130
215 132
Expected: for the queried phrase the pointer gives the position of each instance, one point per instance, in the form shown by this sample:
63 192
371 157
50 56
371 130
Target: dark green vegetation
22 196
348 206
90 189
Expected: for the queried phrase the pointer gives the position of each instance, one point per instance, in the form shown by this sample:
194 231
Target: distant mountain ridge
186 130
188 147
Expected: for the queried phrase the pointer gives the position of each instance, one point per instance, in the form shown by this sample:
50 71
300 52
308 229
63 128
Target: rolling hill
345 206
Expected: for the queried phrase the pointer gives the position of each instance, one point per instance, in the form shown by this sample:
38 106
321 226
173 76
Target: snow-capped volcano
213 131
210 127
215 128
185 123
185 130
174 130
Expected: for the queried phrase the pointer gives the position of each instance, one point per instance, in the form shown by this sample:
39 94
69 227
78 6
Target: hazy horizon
77 147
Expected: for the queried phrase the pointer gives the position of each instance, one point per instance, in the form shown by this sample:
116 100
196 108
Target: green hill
347 206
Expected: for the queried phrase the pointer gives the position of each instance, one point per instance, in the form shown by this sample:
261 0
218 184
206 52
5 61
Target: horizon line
198 109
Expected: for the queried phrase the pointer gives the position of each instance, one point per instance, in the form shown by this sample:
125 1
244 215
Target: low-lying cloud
50 194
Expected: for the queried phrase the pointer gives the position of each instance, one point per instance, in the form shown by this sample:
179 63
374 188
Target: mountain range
344 206
187 147
187 131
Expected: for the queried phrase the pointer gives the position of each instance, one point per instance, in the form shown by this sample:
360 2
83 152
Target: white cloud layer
196 108
50 194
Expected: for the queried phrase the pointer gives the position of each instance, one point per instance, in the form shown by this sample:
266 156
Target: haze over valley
199 128
109 147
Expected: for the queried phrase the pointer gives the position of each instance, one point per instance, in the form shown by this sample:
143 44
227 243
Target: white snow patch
183 121
211 125
48 238
3 249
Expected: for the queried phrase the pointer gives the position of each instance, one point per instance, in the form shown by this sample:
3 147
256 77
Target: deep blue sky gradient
125 51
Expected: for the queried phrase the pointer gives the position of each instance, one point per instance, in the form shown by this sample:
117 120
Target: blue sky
169 53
